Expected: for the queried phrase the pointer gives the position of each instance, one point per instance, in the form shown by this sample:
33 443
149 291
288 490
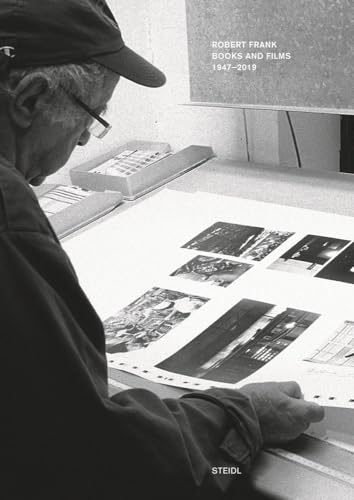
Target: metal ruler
310 464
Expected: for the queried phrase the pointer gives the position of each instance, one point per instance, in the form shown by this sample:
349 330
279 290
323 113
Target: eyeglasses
99 127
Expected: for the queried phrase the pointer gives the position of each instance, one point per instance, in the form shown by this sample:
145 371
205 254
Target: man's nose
84 138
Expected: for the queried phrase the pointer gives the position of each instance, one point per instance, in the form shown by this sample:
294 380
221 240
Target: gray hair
82 80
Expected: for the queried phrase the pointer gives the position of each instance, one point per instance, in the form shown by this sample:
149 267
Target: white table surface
323 191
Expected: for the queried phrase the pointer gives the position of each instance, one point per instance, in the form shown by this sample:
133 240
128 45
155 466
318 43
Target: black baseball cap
52 32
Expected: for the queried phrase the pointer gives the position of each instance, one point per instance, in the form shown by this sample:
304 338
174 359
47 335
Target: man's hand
283 414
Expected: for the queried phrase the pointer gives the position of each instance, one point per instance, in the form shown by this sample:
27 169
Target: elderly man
62 437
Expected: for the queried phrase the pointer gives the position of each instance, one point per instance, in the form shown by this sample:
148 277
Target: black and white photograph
148 319
212 270
341 268
309 255
239 343
237 240
338 350
131 128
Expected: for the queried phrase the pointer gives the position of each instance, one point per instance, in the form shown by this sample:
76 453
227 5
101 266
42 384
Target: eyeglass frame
107 126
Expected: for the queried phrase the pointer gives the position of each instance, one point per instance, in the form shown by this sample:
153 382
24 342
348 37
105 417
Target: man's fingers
307 412
291 389
315 412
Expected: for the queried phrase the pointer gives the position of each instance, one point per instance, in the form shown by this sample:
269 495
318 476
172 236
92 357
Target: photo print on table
338 350
240 342
341 268
309 255
148 319
212 270
235 240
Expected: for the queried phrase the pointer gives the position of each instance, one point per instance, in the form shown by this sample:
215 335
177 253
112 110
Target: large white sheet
277 281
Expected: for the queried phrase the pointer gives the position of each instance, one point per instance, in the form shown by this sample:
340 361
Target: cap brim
130 65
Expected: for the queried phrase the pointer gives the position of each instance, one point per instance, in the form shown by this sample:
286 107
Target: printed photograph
341 268
309 255
148 319
235 240
212 270
241 342
337 351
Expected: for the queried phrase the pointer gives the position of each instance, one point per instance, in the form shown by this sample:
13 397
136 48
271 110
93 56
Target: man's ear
29 97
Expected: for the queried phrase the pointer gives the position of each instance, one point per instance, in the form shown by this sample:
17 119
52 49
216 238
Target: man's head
59 61
43 121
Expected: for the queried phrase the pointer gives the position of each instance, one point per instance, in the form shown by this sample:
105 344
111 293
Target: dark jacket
61 436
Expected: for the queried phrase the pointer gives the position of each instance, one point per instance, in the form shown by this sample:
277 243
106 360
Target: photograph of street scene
309 255
239 343
212 270
235 240
341 268
338 350
148 319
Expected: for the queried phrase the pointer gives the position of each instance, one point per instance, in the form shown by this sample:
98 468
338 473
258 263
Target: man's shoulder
19 207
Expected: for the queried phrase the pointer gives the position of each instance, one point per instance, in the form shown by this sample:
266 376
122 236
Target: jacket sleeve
62 436
196 438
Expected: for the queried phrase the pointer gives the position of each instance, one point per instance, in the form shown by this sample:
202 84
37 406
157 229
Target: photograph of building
341 268
309 255
338 350
243 340
248 242
148 319
212 270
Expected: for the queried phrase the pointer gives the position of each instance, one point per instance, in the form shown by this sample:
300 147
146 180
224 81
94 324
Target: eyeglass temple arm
90 111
